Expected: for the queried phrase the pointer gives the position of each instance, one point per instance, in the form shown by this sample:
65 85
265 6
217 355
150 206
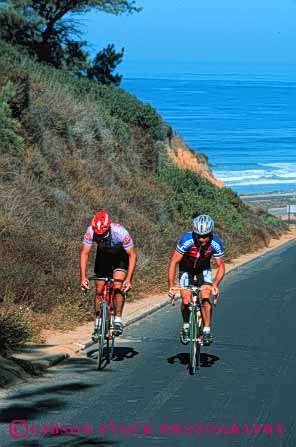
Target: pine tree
50 31
103 65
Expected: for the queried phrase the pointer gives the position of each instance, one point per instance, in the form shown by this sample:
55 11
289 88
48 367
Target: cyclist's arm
175 259
220 271
131 264
83 262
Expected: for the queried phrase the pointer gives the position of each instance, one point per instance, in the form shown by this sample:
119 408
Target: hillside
70 147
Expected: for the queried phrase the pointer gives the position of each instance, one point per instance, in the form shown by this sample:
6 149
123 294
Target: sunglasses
203 236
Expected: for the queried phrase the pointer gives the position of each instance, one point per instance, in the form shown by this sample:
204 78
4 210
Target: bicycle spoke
102 334
192 343
109 338
198 335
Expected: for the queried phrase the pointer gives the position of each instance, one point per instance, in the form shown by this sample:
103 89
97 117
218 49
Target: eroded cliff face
185 158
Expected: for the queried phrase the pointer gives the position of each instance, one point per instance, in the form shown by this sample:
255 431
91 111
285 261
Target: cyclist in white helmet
193 254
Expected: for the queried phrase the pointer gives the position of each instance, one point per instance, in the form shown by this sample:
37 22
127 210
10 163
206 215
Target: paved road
243 396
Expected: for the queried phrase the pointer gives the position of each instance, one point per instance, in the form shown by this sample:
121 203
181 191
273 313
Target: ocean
243 119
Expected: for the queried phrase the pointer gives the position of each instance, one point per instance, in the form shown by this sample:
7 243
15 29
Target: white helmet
203 224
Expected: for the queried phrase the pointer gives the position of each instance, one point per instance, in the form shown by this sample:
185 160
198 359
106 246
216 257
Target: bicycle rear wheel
102 334
193 344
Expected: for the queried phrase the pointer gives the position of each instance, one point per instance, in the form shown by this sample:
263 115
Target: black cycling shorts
107 263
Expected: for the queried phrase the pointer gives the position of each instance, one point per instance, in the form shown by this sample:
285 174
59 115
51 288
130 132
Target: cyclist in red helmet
116 257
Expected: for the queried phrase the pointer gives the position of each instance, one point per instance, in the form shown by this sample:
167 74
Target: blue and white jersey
187 245
198 258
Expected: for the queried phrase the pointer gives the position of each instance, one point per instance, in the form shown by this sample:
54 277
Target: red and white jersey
119 236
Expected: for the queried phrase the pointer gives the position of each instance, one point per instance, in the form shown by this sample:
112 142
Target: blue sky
237 31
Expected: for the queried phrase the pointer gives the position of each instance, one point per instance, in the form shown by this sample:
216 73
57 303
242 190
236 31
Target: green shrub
16 327
10 140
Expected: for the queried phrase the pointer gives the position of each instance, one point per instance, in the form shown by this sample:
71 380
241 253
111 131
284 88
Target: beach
274 203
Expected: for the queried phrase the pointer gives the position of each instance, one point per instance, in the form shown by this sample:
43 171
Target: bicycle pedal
200 341
117 333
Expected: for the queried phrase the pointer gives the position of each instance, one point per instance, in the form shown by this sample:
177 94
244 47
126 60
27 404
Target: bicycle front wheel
199 331
193 344
102 334
109 337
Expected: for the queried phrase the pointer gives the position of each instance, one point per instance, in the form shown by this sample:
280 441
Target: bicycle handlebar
105 279
191 288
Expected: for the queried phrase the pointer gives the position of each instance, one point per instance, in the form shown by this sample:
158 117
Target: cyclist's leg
120 267
205 295
118 301
103 269
206 282
185 280
118 294
98 297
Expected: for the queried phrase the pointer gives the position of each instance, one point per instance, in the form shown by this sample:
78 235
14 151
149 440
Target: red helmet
101 222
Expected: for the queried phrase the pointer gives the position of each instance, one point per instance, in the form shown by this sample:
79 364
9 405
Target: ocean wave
260 182
275 173
281 165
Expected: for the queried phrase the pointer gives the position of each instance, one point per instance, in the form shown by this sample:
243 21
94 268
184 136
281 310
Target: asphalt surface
242 396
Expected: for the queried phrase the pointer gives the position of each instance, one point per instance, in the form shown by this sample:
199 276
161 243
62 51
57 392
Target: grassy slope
73 147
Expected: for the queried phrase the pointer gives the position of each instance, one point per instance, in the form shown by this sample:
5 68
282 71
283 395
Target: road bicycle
195 327
105 322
